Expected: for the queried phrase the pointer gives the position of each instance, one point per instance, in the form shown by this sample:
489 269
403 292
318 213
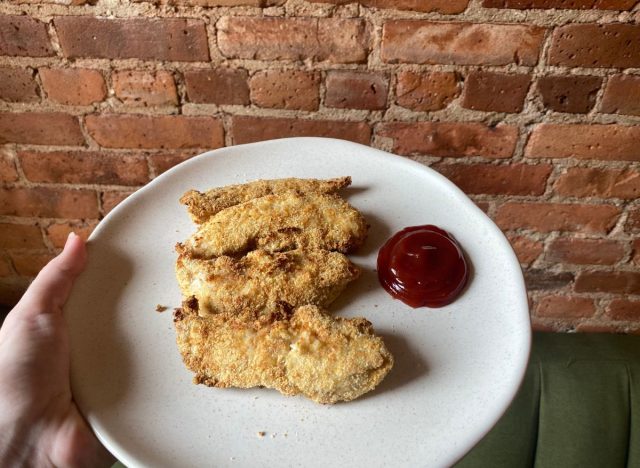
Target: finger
76 445
51 288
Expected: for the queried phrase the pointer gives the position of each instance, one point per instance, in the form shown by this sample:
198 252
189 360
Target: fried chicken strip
202 206
307 352
279 222
265 282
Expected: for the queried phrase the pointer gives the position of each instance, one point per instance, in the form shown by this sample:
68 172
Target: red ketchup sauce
423 266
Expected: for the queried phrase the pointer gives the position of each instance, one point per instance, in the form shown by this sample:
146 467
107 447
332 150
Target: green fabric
512 441
579 406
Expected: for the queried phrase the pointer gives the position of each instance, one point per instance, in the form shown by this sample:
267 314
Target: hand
40 424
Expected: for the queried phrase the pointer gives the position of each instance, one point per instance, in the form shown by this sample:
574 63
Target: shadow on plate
352 190
408 365
378 234
471 273
367 282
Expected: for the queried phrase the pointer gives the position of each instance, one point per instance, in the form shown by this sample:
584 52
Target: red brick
622 95
11 289
286 89
546 217
514 179
426 91
29 264
585 251
596 45
218 86
356 90
224 3
484 206
58 233
602 183
167 131
565 307
251 129
24 37
180 40
20 236
45 202
337 40
73 86
8 172
585 141
527 249
451 139
623 309
617 282
40 128
111 199
561 4
425 6
496 92
632 225
160 163
541 280
423 41
6 269
84 168
18 85
635 250
542 325
609 328
57 2
145 88
569 93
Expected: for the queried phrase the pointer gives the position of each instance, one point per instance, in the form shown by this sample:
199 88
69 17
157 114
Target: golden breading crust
202 206
265 282
305 352
279 222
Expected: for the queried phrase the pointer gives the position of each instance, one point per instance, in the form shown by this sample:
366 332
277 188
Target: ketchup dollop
423 266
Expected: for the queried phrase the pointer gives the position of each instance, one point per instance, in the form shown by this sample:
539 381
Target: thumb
51 288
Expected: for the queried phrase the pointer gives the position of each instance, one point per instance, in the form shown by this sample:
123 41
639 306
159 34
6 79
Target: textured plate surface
457 368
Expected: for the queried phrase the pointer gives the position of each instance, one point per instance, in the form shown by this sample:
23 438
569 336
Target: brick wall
530 106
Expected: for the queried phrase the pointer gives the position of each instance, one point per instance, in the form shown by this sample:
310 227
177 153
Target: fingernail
70 236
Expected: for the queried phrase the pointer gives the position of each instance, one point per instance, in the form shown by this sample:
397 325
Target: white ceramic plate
457 368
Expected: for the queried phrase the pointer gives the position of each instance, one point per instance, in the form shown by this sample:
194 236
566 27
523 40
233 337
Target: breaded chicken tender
279 222
202 206
306 352
265 282
266 259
